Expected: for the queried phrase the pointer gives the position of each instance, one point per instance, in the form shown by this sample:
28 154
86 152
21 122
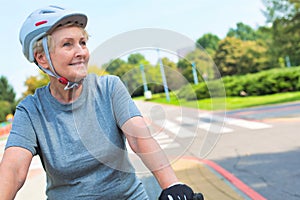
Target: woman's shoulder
32 100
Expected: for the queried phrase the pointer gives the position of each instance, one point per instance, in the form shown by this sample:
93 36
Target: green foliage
285 18
262 83
34 82
243 32
7 98
130 74
237 57
278 9
113 65
203 62
135 58
5 109
286 41
6 90
208 41
97 70
185 68
194 92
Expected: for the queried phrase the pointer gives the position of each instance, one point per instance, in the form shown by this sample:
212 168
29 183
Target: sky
108 18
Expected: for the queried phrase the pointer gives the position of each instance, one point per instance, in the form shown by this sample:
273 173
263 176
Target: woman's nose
80 50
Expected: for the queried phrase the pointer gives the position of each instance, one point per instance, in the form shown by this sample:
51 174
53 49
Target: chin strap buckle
71 85
63 80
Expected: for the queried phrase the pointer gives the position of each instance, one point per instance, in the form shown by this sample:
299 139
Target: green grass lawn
228 103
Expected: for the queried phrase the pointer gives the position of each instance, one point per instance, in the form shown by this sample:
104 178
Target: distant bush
262 83
189 93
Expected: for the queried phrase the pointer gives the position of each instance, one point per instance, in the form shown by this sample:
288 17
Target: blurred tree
154 78
5 109
113 65
264 36
6 90
169 63
7 98
34 82
280 9
174 78
97 70
203 62
235 56
208 41
130 73
243 32
284 15
185 68
228 55
135 59
253 59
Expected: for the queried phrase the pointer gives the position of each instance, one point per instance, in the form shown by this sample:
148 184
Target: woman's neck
64 96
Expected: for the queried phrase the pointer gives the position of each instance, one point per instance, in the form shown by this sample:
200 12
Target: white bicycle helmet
41 23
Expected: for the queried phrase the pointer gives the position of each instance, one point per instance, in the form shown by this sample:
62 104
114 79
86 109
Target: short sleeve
123 105
22 133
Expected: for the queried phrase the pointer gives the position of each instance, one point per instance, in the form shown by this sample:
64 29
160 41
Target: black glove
177 192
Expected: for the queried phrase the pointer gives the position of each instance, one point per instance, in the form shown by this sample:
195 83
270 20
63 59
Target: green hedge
262 83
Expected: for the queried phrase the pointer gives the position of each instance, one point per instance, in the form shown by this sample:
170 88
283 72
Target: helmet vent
47 12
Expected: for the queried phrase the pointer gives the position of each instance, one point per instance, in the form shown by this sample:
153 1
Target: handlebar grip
198 196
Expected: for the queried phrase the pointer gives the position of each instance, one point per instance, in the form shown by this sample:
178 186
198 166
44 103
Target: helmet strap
62 80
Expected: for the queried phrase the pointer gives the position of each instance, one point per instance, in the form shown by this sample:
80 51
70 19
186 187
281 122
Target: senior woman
79 122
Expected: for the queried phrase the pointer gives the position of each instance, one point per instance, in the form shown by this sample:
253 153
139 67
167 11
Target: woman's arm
13 171
144 145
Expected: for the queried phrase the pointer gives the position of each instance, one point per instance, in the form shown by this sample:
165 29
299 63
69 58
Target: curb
241 186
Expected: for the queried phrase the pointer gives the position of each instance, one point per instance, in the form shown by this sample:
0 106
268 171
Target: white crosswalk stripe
249 124
214 124
178 130
214 128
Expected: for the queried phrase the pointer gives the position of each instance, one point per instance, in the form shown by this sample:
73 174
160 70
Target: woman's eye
83 43
66 44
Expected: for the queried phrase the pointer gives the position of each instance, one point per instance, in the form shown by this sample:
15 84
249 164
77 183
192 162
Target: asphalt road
265 159
260 146
287 110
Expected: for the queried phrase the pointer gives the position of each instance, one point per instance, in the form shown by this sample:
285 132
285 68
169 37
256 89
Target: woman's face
69 53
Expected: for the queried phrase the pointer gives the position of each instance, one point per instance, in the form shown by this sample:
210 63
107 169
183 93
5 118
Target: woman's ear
41 60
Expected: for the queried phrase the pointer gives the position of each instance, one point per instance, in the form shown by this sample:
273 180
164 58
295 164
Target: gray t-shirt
81 145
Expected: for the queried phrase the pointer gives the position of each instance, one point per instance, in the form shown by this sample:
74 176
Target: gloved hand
177 192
